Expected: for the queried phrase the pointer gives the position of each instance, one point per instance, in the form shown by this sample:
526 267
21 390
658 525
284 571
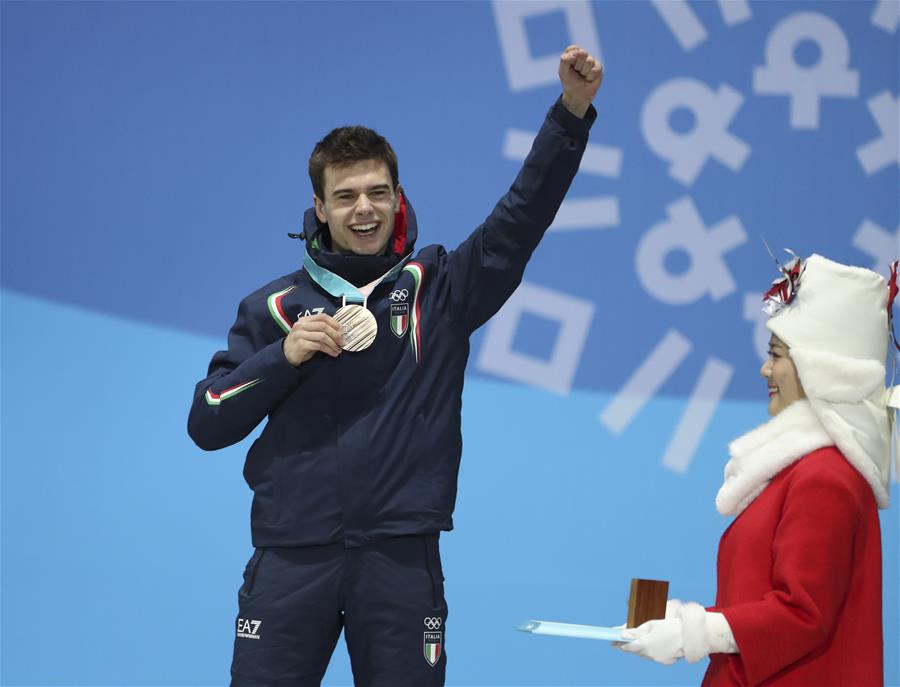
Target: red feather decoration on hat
784 289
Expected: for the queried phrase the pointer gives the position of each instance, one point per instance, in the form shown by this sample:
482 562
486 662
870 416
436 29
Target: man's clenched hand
310 335
580 74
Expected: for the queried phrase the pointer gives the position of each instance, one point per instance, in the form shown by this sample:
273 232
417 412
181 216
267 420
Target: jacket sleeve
487 267
813 558
244 384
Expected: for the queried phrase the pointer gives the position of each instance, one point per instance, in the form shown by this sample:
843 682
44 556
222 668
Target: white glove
688 632
659 640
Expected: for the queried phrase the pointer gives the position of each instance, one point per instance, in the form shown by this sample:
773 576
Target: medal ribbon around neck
357 322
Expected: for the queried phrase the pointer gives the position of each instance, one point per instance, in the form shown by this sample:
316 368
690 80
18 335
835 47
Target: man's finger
595 73
322 317
579 63
323 342
327 339
587 66
570 54
318 339
319 323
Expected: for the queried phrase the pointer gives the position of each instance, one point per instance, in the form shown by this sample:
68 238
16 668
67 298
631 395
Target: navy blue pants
388 597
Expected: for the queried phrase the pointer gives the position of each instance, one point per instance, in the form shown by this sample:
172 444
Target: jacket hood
361 269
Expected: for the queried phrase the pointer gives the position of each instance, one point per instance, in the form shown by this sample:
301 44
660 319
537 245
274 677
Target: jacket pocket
250 573
435 570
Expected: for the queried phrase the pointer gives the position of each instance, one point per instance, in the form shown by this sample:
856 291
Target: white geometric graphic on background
883 151
685 25
806 85
753 312
879 244
705 398
709 137
685 231
645 381
574 317
886 15
806 88
524 70
599 212
650 376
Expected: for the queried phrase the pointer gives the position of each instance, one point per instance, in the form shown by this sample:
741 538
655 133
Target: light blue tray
543 627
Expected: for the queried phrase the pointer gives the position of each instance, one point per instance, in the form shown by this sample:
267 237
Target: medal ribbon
339 287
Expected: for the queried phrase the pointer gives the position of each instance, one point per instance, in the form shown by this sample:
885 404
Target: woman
799 570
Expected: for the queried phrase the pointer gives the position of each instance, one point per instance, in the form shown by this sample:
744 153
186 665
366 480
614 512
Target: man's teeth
363 228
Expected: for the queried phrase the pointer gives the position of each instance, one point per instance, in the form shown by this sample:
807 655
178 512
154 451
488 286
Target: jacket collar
360 270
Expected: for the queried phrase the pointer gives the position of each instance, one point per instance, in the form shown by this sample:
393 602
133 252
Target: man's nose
363 204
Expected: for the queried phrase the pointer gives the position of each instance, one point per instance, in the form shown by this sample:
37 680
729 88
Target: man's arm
249 380
487 267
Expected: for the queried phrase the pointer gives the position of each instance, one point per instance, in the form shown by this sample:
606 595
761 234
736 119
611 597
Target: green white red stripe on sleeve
214 399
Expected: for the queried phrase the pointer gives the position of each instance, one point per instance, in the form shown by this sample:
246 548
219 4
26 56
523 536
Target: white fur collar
759 455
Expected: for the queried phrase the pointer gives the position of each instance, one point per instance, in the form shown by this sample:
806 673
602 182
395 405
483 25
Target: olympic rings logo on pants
433 623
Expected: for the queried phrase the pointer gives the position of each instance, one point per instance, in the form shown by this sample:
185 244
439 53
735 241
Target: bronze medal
358 327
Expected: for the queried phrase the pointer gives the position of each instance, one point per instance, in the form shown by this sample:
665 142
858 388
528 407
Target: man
357 360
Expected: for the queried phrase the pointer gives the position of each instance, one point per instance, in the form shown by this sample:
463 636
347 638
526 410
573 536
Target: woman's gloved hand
688 632
659 640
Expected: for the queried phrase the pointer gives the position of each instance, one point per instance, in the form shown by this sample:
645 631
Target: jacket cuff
673 608
704 633
274 360
718 631
577 126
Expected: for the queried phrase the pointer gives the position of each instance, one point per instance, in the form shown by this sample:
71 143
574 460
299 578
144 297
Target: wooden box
647 601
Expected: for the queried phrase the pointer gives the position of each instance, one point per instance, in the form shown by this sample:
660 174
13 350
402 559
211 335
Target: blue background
153 158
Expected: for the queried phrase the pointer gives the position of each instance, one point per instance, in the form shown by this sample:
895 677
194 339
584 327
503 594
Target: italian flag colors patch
432 647
215 399
274 303
415 338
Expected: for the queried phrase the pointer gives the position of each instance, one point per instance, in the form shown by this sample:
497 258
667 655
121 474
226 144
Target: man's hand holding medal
310 335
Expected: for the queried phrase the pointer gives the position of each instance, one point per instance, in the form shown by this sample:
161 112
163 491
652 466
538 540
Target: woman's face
780 373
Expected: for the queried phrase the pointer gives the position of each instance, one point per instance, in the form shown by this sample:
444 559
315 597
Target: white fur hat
836 327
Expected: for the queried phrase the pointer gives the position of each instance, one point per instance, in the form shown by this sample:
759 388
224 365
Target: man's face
358 206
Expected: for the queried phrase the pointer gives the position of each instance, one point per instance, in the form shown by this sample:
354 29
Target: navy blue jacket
367 445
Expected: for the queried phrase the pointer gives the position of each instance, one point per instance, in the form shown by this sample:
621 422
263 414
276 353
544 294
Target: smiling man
357 360
358 201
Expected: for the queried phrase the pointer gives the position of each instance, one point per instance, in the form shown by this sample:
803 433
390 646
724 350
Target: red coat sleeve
813 554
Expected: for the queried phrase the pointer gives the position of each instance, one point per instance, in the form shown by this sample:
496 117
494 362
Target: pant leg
289 616
395 613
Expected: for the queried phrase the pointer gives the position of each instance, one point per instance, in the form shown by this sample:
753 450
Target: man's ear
397 193
320 209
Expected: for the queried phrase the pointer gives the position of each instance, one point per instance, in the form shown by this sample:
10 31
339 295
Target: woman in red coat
799 570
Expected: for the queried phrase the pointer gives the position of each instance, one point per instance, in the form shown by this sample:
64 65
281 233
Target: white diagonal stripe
587 213
656 369
682 22
692 426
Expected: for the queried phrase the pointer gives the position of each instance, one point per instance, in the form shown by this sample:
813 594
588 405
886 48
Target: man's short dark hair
346 145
